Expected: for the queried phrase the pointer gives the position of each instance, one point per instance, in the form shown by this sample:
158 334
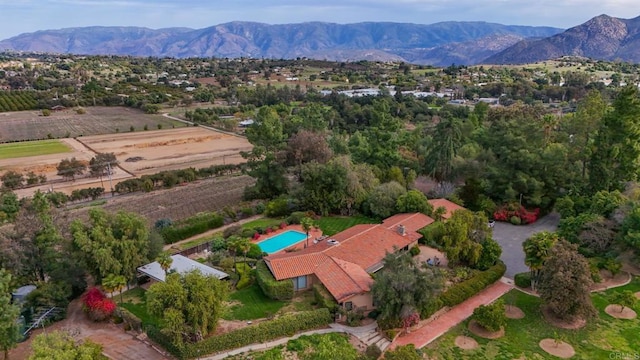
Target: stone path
436 328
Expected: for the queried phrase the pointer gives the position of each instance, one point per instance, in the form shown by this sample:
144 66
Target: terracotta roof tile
411 222
449 205
294 265
369 247
343 267
343 279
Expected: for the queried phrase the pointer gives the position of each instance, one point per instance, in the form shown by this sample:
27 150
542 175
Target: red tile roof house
343 263
449 206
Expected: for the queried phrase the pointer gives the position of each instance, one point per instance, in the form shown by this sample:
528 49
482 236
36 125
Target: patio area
438 258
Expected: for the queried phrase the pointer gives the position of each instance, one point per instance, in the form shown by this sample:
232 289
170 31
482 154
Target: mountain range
440 44
603 38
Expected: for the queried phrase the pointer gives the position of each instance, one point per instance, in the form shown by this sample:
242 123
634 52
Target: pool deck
313 233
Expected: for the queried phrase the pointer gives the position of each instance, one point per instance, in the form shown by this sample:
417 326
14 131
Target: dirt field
31 125
170 149
154 151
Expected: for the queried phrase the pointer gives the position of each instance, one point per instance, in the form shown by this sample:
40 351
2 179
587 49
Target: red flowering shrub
97 305
256 236
268 230
506 212
283 225
411 320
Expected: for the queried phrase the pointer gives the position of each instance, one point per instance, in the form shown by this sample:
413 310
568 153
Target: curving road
511 237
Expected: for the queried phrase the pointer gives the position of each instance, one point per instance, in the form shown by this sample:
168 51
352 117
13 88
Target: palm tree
112 283
165 261
238 245
536 250
307 224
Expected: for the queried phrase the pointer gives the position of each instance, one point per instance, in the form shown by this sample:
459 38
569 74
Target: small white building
181 265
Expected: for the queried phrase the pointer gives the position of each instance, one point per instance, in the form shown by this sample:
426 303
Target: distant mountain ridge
437 44
603 38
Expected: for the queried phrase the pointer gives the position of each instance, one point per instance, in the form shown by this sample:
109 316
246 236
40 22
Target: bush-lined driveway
510 237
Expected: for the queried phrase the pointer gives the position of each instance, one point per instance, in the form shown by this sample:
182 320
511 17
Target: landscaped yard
135 301
262 223
32 148
250 304
602 338
331 225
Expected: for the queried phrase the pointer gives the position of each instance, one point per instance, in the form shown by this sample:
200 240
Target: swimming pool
281 241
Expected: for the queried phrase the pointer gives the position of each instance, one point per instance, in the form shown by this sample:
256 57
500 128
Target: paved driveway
511 237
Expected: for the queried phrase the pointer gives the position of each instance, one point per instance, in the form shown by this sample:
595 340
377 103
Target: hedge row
523 280
170 178
323 298
466 289
193 226
273 289
286 325
163 340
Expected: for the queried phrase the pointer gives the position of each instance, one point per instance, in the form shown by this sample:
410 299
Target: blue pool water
281 241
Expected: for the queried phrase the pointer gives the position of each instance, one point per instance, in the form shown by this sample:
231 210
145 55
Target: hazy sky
19 16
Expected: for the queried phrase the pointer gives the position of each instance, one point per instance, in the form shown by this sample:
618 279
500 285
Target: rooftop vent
332 242
401 230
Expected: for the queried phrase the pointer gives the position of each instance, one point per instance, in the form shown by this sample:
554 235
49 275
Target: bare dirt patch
638 294
513 312
466 343
171 149
477 329
560 323
626 313
560 349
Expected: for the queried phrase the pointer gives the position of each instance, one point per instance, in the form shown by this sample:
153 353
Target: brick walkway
431 331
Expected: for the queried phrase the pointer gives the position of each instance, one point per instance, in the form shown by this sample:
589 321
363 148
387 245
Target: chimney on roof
401 230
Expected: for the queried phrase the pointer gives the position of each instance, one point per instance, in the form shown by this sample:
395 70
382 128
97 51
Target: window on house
300 283
348 305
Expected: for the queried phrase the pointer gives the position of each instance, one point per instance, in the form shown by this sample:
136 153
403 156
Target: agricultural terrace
31 125
149 152
32 148
182 201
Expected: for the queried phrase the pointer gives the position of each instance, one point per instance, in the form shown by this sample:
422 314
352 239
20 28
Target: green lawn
264 222
32 148
252 304
334 224
135 301
602 338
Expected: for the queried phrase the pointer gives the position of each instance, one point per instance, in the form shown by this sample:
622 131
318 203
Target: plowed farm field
31 125
180 202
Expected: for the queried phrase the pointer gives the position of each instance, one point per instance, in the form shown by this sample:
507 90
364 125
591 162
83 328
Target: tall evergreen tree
616 156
